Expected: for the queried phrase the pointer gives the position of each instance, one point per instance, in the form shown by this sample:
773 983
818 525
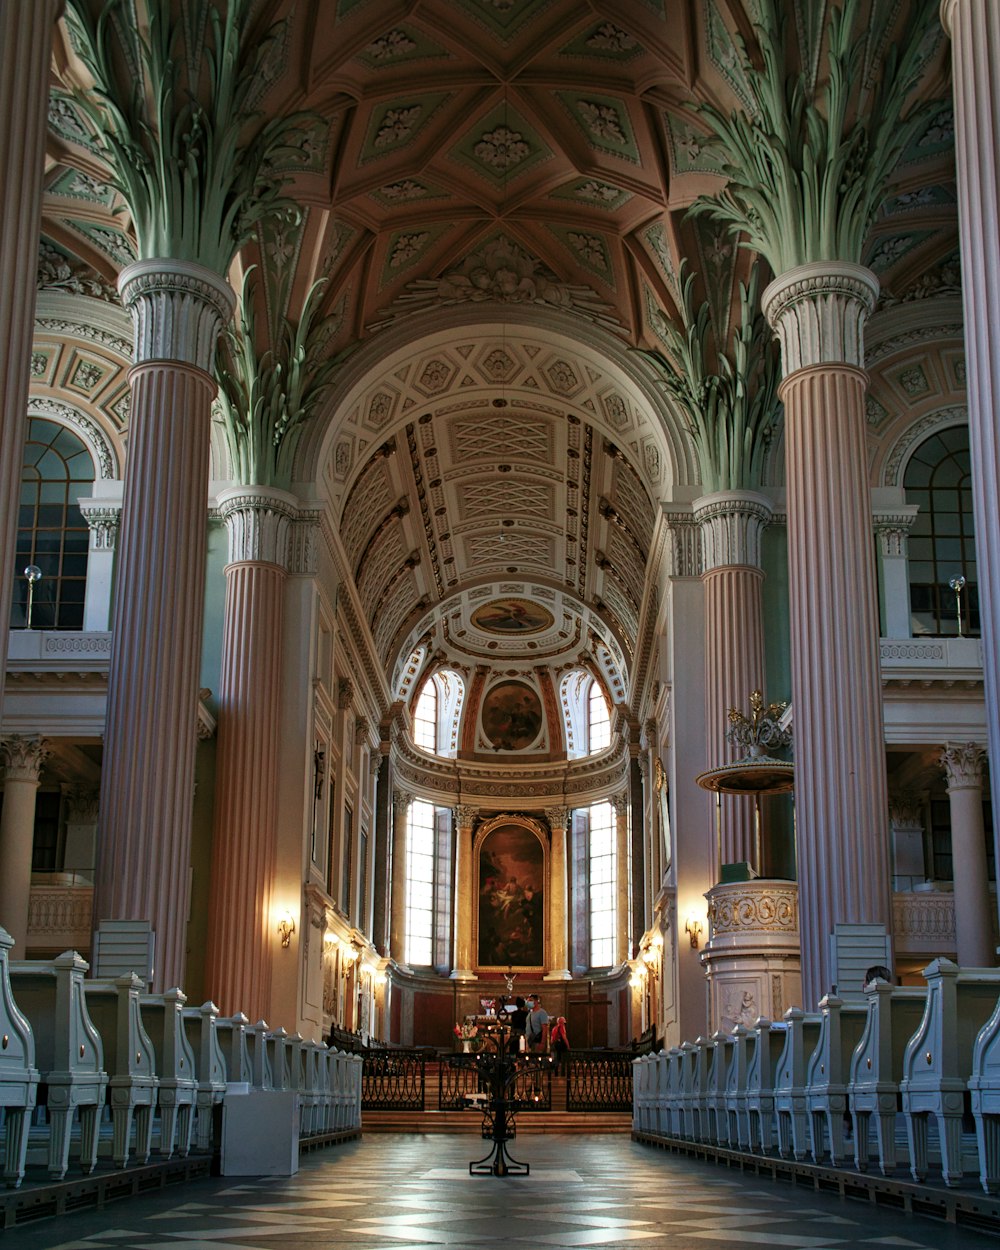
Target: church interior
501 500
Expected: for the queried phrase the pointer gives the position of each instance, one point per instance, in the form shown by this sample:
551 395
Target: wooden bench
743 1043
18 1074
201 1026
177 1092
828 1073
131 1062
801 1036
259 1052
68 1052
893 1015
937 1062
715 1085
232 1033
762 1068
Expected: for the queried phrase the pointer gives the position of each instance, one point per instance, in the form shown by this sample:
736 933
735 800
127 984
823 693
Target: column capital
345 694
620 802
21 758
401 800
963 765
685 544
465 814
893 527
906 810
732 522
102 520
818 312
558 817
178 309
257 520
82 804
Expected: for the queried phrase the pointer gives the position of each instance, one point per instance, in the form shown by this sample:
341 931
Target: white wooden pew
673 1122
18 1074
232 1032
938 1061
743 1045
68 1052
762 1069
893 1015
259 1053
131 1060
201 1025
801 1036
177 1092
718 1070
984 1087
827 1076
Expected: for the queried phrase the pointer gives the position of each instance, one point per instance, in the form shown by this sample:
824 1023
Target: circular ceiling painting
512 616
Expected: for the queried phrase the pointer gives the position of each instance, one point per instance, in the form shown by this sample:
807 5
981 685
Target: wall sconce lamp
651 954
693 928
286 927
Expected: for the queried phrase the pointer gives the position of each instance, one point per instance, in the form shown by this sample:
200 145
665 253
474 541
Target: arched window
602 859
942 541
425 717
429 905
586 719
437 712
52 533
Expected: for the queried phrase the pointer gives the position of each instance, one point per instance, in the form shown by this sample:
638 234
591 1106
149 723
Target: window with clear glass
52 533
603 871
599 721
942 540
420 856
425 716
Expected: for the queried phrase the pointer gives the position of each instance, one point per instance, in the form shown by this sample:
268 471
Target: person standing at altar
536 1031
559 1041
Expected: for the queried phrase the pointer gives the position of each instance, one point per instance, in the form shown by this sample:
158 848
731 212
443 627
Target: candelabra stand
498 1073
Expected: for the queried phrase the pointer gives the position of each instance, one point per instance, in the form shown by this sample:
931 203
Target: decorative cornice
258 520
818 312
963 765
732 523
22 758
178 310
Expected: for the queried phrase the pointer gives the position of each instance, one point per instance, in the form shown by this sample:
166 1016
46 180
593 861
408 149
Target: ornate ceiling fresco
496 192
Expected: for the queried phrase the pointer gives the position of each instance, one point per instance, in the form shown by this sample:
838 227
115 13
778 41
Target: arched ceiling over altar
482 177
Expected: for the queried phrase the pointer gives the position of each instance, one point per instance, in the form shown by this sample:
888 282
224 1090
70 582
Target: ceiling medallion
512 616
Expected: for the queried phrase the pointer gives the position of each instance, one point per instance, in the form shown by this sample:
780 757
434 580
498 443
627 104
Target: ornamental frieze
750 908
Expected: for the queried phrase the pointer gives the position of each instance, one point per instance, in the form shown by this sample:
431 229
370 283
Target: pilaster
892 529
621 804
558 897
465 816
103 518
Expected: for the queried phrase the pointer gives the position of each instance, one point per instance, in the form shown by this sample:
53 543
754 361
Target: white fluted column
558 894
147 785
620 803
397 890
25 52
21 760
963 765
241 930
464 901
818 311
974 27
732 524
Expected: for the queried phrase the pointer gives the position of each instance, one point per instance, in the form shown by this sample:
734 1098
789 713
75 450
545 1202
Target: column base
462 974
558 974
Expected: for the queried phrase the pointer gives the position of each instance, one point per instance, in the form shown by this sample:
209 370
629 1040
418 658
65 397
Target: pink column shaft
240 938
734 668
25 52
147 783
463 892
840 789
974 26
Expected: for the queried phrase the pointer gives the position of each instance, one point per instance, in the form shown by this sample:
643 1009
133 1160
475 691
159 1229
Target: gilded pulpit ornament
756 772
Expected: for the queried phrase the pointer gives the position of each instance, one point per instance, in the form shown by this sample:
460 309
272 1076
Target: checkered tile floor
415 1191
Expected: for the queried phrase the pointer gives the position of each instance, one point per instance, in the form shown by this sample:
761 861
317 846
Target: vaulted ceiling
478 166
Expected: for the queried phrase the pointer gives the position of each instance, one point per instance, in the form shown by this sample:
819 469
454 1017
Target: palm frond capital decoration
733 410
808 163
185 148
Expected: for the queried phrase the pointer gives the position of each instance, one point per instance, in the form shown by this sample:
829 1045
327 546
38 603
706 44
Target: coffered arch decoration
511 858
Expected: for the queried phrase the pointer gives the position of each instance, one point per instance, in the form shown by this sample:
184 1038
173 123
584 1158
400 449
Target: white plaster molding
926 916
732 523
893 526
894 466
684 558
258 520
103 520
963 765
22 758
818 312
178 310
753 907
97 442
